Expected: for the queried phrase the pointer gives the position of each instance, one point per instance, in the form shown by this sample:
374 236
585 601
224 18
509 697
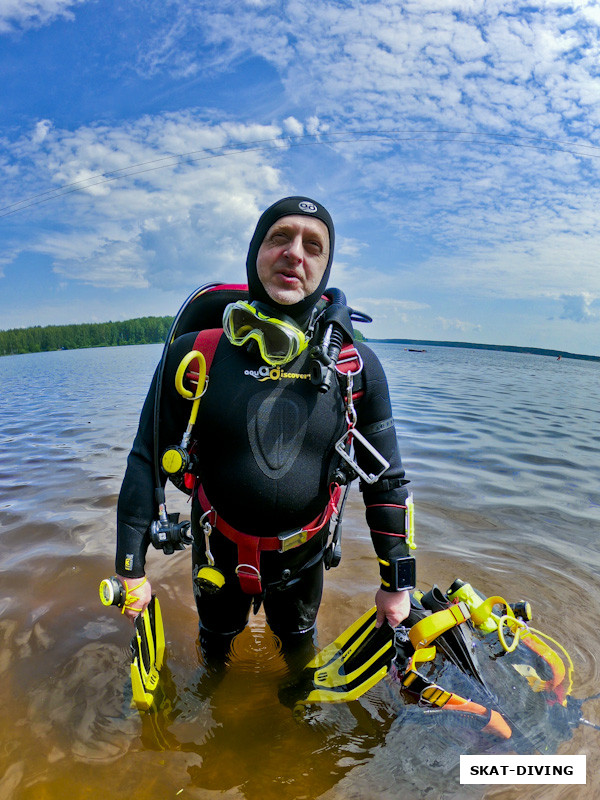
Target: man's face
292 258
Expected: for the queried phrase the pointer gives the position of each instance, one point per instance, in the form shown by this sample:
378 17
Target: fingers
138 596
381 616
393 606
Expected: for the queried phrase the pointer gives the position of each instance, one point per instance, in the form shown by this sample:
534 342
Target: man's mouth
288 276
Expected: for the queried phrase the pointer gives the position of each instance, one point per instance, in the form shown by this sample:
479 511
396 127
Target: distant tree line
144 330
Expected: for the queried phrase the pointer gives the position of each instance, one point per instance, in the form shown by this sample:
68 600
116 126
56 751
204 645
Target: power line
306 140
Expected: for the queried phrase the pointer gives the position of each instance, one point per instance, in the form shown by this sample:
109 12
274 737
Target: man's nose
295 250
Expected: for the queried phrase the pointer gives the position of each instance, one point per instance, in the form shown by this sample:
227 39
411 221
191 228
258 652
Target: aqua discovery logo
275 374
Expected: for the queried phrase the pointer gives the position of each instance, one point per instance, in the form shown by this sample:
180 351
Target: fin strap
429 628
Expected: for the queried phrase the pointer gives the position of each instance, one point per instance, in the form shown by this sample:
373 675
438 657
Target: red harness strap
206 342
250 547
350 362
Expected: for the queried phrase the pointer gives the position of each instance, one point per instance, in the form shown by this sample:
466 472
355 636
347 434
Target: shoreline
507 348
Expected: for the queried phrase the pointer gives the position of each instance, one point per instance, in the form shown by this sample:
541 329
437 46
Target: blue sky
455 143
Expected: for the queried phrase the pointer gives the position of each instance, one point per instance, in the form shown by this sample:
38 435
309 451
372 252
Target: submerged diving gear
439 636
147 654
279 339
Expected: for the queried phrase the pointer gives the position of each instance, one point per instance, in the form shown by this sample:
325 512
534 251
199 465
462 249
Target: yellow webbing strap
420 656
427 630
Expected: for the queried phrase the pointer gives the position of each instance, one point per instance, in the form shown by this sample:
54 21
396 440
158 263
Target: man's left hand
393 606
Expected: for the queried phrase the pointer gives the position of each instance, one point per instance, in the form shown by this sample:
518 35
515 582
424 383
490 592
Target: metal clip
351 417
207 530
248 571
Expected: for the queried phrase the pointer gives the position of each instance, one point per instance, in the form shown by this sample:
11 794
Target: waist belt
249 547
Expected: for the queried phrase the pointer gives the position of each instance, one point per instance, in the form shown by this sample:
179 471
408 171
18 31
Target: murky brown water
503 451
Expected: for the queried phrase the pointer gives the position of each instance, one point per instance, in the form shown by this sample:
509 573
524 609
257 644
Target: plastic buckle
352 433
436 699
288 541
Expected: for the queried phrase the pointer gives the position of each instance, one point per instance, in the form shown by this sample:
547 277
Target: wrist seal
398 574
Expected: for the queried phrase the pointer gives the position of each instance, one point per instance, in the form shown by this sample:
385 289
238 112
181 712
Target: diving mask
278 341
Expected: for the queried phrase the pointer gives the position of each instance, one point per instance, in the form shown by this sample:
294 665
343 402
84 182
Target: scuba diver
291 412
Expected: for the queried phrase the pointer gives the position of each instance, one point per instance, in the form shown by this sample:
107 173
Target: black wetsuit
266 439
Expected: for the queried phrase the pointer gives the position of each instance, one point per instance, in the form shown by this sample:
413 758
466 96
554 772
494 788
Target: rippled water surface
503 452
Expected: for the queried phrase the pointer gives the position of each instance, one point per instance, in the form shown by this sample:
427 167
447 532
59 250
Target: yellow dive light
112 592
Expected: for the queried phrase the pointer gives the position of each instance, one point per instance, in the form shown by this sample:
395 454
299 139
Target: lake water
503 451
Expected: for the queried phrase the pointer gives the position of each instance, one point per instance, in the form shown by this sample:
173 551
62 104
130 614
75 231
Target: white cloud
455 64
390 305
579 307
15 14
293 126
349 247
136 216
41 131
458 325
498 202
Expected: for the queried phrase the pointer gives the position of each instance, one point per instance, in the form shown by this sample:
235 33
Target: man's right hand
139 594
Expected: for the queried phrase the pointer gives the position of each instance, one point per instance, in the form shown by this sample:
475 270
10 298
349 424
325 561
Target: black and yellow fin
147 654
344 670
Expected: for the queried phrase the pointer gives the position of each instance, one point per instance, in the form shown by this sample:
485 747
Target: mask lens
278 341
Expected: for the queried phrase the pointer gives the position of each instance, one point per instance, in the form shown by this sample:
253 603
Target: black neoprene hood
283 208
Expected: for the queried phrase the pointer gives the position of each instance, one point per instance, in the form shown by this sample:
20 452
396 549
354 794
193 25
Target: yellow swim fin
344 670
147 654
